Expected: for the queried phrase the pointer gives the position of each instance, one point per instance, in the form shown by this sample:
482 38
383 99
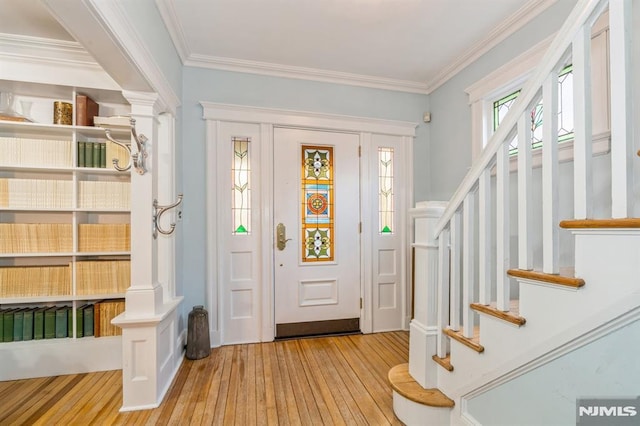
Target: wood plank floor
328 380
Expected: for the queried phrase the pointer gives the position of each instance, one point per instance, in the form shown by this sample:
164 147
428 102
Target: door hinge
359 151
360 227
361 304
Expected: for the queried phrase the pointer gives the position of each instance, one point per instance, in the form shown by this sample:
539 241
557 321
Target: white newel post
423 329
151 346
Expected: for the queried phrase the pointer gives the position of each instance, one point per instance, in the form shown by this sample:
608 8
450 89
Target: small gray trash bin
198 345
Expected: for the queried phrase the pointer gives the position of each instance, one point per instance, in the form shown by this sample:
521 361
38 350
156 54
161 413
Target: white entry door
317 221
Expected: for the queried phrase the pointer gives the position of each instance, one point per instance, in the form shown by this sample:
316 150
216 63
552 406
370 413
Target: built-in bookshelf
64 227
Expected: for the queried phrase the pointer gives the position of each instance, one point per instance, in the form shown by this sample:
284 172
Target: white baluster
525 192
456 263
503 257
443 292
484 237
550 197
582 118
468 267
621 112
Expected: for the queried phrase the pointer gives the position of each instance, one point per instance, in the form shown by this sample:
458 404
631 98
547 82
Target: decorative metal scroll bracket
158 211
136 159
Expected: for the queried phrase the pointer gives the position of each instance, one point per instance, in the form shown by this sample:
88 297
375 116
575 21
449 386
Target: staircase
488 321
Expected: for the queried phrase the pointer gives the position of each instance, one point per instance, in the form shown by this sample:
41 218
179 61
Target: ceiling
409 45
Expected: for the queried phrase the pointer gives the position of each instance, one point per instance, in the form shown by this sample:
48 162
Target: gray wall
607 367
274 92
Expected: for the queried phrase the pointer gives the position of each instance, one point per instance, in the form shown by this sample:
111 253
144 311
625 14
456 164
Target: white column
423 328
151 345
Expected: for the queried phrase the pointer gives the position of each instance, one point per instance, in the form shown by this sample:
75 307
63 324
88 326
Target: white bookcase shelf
48 195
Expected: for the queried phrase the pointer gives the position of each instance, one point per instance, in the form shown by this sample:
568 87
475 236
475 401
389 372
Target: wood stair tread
402 382
512 315
631 222
558 279
443 362
473 343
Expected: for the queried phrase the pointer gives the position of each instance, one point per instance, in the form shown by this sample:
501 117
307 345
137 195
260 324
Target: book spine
18 319
38 324
27 325
81 110
96 319
103 155
81 153
8 326
80 321
88 154
1 326
88 320
50 323
96 154
61 322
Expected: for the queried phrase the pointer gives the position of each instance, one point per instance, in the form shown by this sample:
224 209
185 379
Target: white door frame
267 119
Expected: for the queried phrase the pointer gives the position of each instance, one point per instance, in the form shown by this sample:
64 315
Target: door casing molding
267 119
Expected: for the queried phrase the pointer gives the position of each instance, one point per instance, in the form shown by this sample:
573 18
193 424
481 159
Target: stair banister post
423 328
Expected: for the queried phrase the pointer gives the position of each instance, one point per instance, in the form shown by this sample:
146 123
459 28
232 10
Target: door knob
281 236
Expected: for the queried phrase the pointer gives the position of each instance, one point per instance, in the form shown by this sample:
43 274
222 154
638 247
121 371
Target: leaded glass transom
318 222
385 190
565 112
240 188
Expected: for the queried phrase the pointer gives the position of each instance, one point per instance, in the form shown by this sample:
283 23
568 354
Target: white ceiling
410 45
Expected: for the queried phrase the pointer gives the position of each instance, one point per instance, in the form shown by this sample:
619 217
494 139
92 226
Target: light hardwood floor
328 380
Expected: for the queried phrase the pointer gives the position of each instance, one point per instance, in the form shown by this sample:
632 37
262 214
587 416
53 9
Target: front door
317 228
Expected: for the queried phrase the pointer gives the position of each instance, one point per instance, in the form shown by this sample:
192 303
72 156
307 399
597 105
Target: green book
18 320
61 321
88 154
96 154
88 320
2 325
50 323
79 321
70 322
38 323
27 324
7 318
103 155
81 149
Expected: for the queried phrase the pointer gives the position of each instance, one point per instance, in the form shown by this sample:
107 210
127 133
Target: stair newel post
443 291
423 329
468 266
550 192
503 258
621 108
456 269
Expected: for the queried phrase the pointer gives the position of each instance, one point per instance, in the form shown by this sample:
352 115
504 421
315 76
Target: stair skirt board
611 318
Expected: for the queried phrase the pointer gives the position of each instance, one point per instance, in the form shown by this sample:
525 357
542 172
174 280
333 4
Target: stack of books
36 237
56 322
102 276
104 195
104 237
29 152
36 193
35 281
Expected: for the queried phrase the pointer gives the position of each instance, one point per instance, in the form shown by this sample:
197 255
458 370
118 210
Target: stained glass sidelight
241 189
385 190
317 204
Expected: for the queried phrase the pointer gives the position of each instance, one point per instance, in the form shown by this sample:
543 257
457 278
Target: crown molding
176 31
45 49
500 33
303 73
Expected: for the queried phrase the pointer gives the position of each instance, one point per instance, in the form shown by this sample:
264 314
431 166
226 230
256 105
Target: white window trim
512 76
